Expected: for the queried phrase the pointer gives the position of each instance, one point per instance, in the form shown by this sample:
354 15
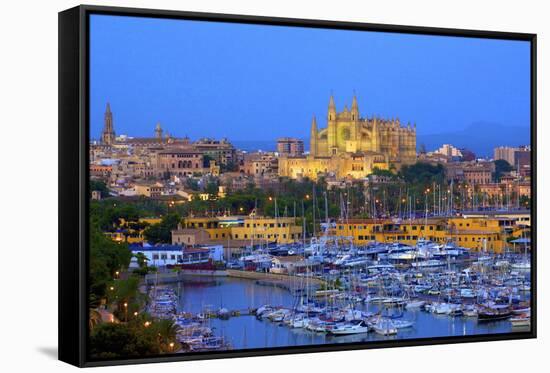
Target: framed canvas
235 186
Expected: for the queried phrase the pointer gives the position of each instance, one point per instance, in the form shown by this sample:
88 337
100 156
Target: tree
206 160
99 186
166 330
501 167
141 260
379 172
422 173
114 340
161 232
127 298
192 184
106 258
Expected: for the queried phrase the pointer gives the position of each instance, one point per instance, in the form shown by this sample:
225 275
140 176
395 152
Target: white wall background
28 102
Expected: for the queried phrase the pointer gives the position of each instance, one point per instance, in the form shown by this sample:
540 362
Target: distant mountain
255 145
481 138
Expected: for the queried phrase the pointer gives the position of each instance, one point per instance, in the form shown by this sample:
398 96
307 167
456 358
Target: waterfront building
218 227
169 255
519 217
353 146
189 236
280 230
266 229
287 264
473 232
290 146
159 255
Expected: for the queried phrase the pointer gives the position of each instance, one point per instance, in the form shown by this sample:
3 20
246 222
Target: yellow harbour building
256 229
477 234
352 146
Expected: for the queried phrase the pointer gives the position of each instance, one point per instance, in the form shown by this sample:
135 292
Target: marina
333 300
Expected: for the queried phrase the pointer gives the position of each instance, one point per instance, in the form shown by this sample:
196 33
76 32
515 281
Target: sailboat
352 327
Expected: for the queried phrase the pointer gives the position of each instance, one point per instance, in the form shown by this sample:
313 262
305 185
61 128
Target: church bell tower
108 134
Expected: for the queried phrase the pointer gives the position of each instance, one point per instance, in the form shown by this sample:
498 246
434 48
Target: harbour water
197 294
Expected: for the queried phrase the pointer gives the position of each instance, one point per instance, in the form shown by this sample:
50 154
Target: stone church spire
313 138
158 131
355 114
108 133
331 109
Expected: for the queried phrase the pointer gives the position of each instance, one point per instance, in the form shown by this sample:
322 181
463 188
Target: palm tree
141 259
167 331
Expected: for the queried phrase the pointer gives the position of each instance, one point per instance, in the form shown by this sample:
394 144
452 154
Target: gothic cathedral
351 146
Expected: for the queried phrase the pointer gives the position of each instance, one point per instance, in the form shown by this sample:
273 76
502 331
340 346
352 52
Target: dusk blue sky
252 82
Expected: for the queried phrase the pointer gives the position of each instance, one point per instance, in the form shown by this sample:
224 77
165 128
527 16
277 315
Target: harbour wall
170 277
251 275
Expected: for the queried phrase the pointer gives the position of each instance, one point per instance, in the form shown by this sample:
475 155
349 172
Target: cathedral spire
354 108
313 138
314 124
108 133
354 103
158 131
331 109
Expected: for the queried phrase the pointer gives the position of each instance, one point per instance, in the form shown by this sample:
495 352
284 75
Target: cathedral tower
313 138
331 127
158 131
355 130
108 134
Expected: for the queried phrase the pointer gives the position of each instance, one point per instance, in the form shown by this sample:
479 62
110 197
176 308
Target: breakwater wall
273 277
170 277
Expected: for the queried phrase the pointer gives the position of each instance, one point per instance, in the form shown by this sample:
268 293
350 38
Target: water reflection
200 293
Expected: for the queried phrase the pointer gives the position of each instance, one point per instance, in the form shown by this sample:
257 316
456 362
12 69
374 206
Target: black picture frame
74 175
